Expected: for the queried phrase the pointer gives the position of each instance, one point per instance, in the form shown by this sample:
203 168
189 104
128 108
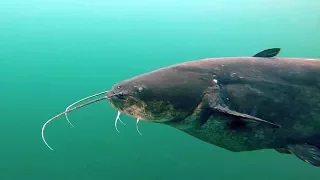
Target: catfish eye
118 87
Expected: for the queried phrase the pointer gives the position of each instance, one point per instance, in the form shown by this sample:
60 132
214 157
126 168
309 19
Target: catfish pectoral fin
306 152
243 117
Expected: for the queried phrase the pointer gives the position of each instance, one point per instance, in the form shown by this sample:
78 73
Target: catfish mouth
116 100
118 96
128 104
114 95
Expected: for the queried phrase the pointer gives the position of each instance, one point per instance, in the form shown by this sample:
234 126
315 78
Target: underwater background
54 52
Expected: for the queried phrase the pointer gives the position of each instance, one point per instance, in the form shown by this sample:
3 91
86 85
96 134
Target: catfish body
238 103
282 91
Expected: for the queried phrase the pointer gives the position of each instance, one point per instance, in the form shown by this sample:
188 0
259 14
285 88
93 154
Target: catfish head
167 94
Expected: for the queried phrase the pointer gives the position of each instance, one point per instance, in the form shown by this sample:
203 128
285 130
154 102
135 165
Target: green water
54 52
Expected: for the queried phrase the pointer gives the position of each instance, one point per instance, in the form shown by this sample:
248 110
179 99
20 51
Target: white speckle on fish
215 81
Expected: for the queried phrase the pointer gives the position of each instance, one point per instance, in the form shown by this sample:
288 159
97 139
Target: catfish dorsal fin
268 53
